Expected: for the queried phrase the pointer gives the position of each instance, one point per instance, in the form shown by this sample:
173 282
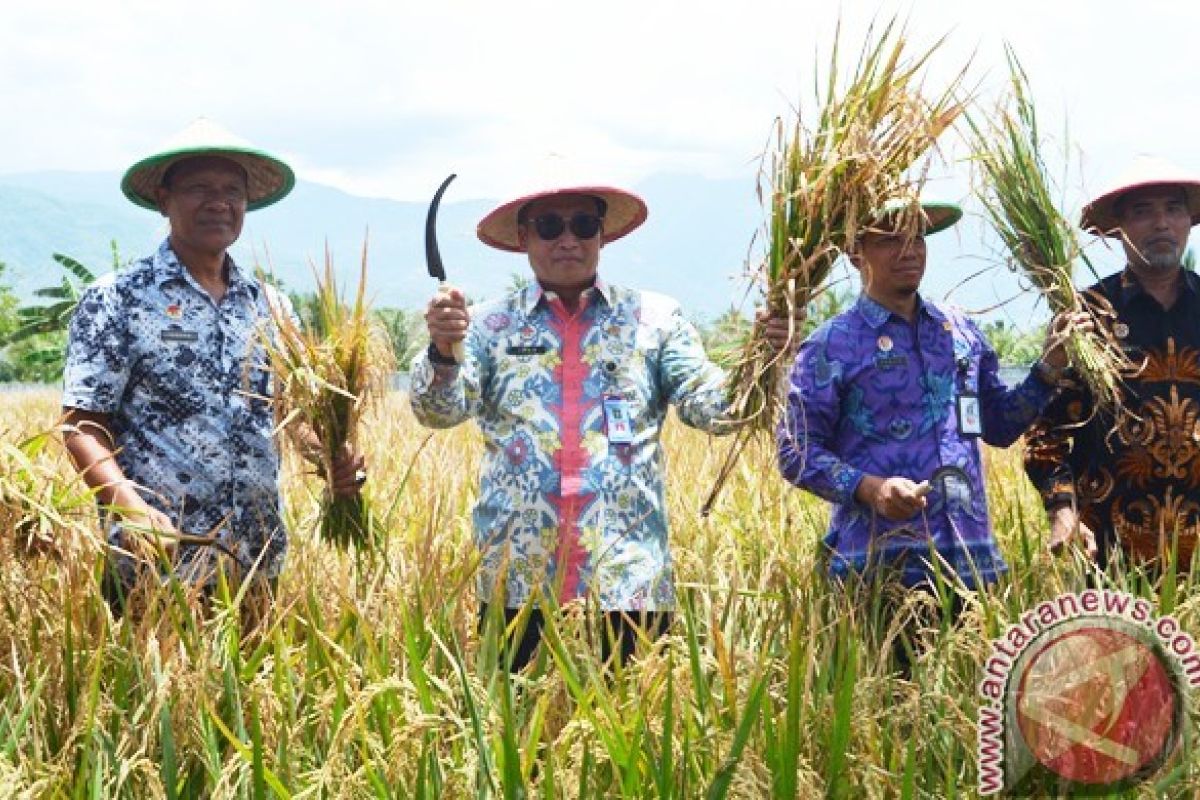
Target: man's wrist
436 357
868 490
1048 374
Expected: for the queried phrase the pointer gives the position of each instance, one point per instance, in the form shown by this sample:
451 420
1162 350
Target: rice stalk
347 695
327 378
42 510
1042 244
822 185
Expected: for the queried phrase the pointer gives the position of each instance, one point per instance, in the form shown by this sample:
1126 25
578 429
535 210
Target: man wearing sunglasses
570 379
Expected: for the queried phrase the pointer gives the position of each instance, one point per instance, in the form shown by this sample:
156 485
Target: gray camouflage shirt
185 382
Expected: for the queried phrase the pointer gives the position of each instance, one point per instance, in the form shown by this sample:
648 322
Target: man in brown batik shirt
1131 483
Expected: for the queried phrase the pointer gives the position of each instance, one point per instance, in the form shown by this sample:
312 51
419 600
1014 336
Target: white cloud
402 92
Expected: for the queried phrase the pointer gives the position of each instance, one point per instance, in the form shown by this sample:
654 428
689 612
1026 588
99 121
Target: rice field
371 680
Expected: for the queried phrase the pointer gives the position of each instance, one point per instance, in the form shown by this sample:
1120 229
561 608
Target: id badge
616 419
970 422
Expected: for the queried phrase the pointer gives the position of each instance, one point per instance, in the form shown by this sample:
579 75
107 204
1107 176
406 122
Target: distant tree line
725 336
33 336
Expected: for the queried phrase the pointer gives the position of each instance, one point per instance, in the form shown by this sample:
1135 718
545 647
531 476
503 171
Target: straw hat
937 216
553 174
625 211
268 178
1100 217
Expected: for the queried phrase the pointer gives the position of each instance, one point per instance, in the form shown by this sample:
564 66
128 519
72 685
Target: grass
373 682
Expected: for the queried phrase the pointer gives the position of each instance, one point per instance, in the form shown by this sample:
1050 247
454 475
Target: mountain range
695 246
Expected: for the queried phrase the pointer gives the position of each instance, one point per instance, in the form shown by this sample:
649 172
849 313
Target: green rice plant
326 380
822 183
375 681
1042 244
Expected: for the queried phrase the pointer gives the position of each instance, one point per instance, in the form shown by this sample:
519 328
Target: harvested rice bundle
823 186
327 376
1041 242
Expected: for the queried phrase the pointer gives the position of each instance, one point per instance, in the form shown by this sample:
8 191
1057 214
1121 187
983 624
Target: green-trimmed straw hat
936 215
268 179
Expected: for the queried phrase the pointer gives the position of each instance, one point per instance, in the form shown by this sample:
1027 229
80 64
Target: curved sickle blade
433 257
939 478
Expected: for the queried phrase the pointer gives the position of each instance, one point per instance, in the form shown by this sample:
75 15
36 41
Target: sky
384 99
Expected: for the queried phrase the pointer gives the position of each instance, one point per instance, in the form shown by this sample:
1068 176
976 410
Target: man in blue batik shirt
167 388
886 409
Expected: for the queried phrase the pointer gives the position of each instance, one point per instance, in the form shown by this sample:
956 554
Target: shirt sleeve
810 423
1049 446
98 353
1006 412
694 384
443 395
279 307
287 307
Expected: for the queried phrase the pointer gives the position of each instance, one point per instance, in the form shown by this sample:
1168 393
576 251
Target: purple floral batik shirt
872 393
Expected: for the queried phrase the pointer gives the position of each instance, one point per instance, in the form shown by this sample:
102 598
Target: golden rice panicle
328 375
1042 244
44 508
822 185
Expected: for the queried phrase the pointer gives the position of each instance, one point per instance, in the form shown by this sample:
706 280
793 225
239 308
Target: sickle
433 256
939 476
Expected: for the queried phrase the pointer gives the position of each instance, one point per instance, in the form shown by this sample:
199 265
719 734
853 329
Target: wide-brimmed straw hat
1099 216
268 179
625 211
936 215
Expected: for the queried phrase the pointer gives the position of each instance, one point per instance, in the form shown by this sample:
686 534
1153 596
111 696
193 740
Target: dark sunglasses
551 226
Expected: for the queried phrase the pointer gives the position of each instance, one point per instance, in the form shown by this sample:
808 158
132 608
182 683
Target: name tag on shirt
970 421
178 334
890 360
526 349
616 420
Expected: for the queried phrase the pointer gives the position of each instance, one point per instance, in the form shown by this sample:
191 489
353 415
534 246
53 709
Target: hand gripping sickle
433 257
941 477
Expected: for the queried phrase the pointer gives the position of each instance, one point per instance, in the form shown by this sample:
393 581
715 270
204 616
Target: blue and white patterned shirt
874 394
185 383
560 505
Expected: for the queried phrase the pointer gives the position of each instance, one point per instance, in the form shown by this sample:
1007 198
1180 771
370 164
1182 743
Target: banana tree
38 340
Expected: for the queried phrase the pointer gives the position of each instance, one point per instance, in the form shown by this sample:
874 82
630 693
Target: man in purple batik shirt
887 405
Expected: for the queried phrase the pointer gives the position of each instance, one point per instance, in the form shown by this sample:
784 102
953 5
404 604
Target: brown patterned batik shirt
1135 476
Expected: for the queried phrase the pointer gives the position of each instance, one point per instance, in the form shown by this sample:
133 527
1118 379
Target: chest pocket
173 351
521 371
243 356
629 360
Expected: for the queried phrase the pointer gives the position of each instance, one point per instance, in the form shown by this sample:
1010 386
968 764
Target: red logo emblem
1098 705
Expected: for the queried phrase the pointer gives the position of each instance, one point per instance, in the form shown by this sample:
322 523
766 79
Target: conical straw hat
268 178
558 176
1100 217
